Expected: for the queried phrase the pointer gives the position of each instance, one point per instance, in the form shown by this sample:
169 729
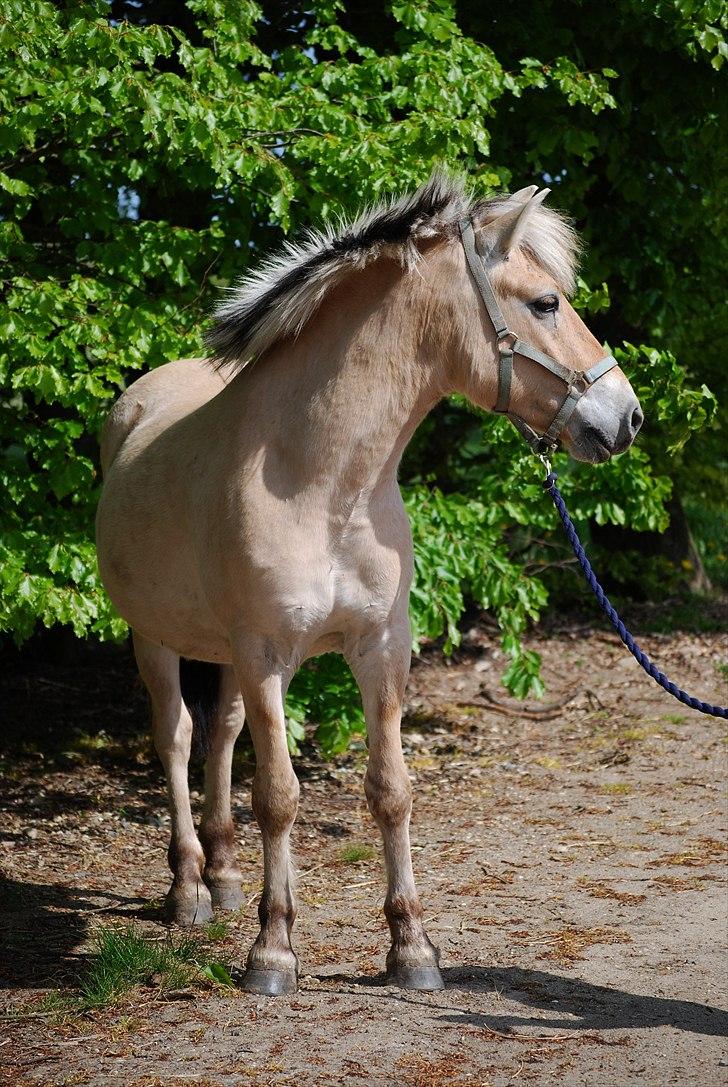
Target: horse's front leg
272 966
381 667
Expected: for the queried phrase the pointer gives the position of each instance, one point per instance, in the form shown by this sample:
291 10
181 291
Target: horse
251 519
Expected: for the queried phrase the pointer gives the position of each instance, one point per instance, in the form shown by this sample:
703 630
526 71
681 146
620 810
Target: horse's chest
345 588
335 594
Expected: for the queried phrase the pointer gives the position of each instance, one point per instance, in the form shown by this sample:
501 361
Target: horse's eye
543 306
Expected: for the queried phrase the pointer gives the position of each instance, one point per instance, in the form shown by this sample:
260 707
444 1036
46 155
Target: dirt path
572 870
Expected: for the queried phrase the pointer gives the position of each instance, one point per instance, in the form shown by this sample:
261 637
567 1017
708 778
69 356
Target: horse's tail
200 683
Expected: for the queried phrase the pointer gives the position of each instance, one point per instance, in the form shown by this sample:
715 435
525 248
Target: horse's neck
337 406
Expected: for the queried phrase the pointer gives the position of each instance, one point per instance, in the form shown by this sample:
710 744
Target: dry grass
602 890
675 883
417 1071
567 944
701 853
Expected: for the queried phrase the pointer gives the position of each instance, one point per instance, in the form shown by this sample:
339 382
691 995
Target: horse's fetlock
401 910
217 838
186 860
274 915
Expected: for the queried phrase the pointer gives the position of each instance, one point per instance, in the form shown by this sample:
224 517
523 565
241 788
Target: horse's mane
280 296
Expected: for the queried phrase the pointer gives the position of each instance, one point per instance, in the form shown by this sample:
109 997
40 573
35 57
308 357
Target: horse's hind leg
217 833
188 901
381 672
272 964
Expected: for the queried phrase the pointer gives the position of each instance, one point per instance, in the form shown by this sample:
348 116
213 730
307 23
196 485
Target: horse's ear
515 200
503 232
523 195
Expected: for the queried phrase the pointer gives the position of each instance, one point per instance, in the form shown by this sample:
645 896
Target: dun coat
251 517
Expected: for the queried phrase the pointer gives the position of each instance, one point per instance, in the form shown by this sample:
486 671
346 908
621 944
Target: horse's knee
389 798
275 801
172 737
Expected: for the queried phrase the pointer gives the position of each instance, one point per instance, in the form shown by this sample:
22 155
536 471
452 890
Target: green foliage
123 960
219 974
324 692
710 527
147 153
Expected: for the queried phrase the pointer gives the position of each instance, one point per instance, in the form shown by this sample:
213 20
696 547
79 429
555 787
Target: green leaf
218 973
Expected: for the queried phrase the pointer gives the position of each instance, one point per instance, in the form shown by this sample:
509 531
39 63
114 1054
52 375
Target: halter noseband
577 381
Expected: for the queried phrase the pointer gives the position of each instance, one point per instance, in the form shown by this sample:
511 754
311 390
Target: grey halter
577 381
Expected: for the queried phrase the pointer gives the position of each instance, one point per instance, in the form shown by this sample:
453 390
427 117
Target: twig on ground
300 877
534 712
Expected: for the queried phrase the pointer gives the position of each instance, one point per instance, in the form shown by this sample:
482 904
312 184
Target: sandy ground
572 868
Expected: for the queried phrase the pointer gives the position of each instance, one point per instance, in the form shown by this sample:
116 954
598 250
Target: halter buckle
506 342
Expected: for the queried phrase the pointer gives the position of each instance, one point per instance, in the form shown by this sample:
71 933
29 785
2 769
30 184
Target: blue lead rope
639 655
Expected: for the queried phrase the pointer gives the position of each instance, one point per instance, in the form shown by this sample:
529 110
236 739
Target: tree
150 150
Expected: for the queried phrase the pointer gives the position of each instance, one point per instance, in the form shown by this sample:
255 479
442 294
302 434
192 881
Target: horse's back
157 400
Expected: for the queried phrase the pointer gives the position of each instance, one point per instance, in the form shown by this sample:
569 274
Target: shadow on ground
597 1007
44 925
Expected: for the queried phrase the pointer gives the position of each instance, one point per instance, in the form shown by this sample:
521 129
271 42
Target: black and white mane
279 297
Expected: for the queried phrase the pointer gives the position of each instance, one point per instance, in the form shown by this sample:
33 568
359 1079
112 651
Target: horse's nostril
638 419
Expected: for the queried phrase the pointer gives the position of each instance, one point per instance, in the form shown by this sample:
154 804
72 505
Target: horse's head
526 253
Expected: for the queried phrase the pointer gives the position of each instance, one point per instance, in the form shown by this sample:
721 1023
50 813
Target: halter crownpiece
577 381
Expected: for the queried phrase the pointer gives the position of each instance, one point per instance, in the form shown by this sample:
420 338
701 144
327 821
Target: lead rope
639 655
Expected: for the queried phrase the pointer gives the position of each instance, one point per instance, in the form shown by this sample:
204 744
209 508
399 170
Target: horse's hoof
188 907
269 982
227 896
426 979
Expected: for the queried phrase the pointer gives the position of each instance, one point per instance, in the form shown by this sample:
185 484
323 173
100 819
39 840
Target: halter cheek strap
577 381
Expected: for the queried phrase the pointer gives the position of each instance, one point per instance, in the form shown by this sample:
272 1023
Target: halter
577 381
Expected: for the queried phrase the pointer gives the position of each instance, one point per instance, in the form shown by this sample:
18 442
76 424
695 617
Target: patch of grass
674 718
549 762
355 854
640 732
721 668
124 960
216 930
50 1002
53 1006
616 788
633 735
423 762
87 741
